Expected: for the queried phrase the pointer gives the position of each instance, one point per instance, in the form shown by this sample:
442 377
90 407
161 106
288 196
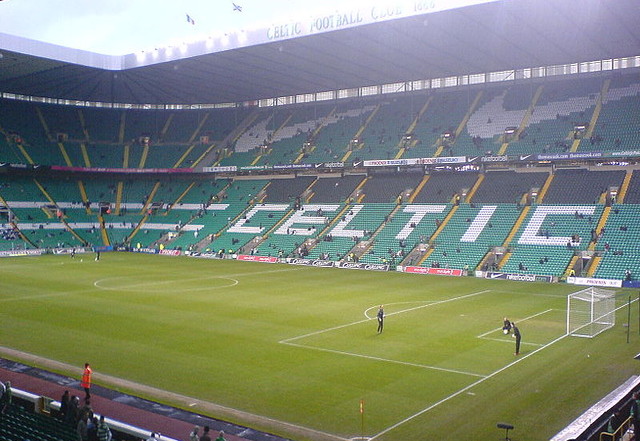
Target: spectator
193 436
64 404
221 436
86 410
205 434
7 398
82 429
635 410
104 433
614 422
72 412
92 427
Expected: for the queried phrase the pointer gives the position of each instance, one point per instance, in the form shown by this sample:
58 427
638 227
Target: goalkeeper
380 317
506 326
517 336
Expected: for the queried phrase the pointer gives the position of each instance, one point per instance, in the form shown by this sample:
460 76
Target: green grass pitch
299 346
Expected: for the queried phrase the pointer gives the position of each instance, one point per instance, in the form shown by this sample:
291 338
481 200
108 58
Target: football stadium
393 220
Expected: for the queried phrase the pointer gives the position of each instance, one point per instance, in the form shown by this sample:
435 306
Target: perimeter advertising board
432 271
519 277
587 281
263 259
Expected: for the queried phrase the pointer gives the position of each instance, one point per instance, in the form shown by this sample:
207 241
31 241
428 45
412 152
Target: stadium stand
616 128
18 424
581 186
402 231
441 187
470 234
287 190
335 189
443 113
619 243
633 191
334 138
199 214
508 186
381 136
390 187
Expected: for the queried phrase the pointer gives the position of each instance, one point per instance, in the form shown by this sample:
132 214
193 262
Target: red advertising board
263 259
436 271
170 252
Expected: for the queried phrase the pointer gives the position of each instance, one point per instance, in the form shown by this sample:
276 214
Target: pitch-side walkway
169 421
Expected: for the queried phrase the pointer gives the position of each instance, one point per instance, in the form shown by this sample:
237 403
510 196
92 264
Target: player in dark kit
506 327
380 317
517 336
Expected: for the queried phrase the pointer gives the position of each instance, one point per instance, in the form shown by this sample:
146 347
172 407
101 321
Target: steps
595 261
601 223
85 154
525 119
65 155
622 191
475 188
516 226
418 188
544 189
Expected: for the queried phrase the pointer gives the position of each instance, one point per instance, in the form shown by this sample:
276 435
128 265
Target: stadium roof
486 37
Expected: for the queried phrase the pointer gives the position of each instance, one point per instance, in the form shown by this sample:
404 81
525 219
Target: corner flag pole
362 419
629 319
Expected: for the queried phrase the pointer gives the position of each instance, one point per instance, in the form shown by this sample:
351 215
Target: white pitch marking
42 296
505 291
234 282
387 360
287 340
322 331
437 302
98 283
366 311
466 388
472 385
502 340
519 321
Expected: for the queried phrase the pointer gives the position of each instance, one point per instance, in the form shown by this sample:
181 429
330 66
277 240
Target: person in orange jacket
86 380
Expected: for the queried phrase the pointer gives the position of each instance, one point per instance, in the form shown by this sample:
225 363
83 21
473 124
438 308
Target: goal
590 312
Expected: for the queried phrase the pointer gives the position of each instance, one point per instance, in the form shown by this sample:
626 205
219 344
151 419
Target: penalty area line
519 321
386 360
502 340
465 389
439 302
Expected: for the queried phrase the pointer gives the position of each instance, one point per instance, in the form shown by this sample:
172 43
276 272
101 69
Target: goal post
590 312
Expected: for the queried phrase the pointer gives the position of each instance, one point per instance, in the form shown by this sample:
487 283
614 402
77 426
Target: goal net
590 312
